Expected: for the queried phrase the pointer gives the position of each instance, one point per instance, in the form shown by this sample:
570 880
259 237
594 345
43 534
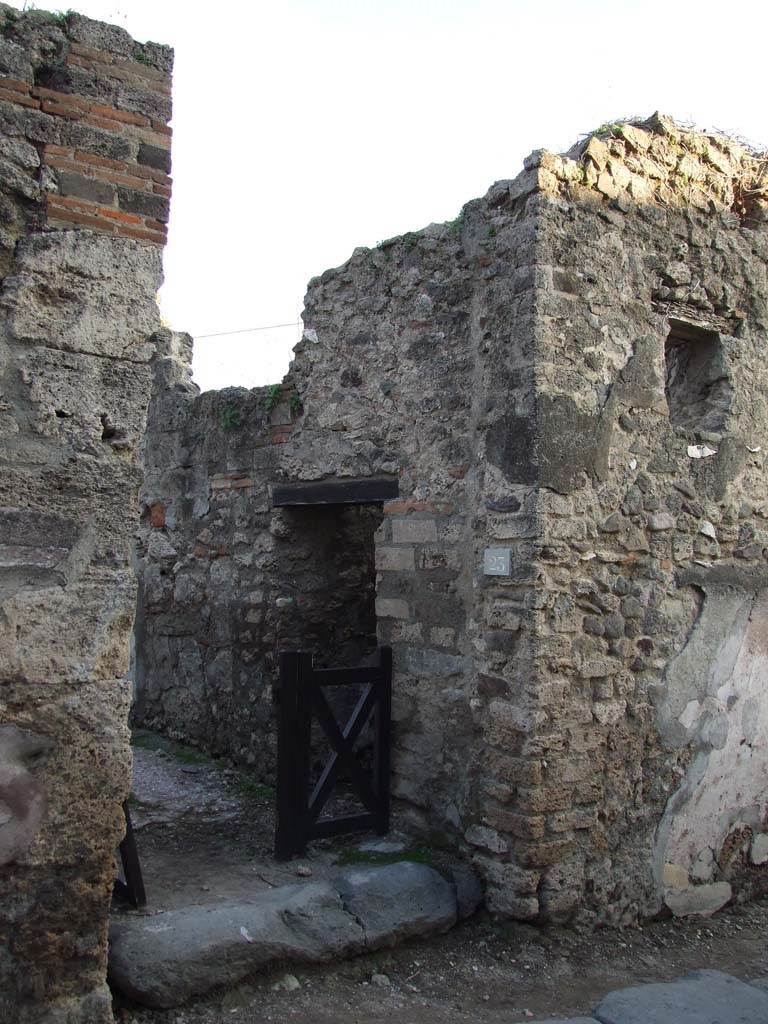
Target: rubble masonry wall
226 582
650 649
84 187
539 375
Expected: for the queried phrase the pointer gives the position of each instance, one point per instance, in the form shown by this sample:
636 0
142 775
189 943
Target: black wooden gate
132 889
301 698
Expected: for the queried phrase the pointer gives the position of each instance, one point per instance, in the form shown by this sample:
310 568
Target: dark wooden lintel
371 490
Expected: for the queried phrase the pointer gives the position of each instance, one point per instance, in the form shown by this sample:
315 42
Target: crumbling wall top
41 38
661 161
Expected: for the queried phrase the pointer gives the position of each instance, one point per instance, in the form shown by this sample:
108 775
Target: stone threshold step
162 960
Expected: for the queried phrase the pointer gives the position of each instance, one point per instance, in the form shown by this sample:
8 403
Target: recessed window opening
697 387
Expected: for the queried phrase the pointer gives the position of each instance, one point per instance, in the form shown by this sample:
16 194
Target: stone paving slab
702 997
162 960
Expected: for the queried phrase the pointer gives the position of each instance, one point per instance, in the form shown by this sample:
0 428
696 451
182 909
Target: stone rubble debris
700 451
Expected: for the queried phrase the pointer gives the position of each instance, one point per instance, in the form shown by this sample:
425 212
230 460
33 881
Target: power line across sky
248 330
424 104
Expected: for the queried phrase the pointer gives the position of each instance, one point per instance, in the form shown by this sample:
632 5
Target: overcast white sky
305 128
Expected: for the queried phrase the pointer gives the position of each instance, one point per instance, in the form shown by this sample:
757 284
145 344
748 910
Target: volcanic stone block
702 997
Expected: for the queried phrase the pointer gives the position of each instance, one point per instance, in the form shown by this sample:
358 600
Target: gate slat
300 696
326 828
382 743
343 752
347 676
352 730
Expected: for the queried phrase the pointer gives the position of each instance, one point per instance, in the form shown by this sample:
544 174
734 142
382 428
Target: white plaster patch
700 451
698 900
703 867
758 850
727 782
692 714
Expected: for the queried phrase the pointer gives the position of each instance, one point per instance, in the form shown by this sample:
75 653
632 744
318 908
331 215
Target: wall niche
697 386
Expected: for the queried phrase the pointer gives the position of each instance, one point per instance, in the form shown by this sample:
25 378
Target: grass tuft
355 856
251 787
145 740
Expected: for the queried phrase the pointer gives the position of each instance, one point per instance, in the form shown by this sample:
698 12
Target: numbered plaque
497 561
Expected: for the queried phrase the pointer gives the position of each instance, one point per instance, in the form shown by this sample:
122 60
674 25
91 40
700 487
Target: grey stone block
20 153
414 531
758 850
382 845
569 1020
392 608
22 815
398 901
469 890
80 187
395 559
134 201
702 997
83 136
155 156
422 661
150 104
14 61
702 900
163 960
99 36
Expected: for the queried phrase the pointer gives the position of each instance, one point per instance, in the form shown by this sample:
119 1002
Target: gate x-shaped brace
300 696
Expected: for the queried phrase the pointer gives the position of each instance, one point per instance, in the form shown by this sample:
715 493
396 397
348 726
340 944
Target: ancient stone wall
567 384
653 403
227 581
84 154
394 375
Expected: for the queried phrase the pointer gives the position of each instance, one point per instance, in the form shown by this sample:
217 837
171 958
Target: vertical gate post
133 888
382 740
288 692
303 740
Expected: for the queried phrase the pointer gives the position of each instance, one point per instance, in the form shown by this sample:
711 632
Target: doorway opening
328 555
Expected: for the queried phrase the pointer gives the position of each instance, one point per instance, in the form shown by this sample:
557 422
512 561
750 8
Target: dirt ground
205 834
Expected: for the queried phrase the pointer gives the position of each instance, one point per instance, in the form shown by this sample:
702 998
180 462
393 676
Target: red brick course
157 515
62 211
18 98
15 85
280 434
401 506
